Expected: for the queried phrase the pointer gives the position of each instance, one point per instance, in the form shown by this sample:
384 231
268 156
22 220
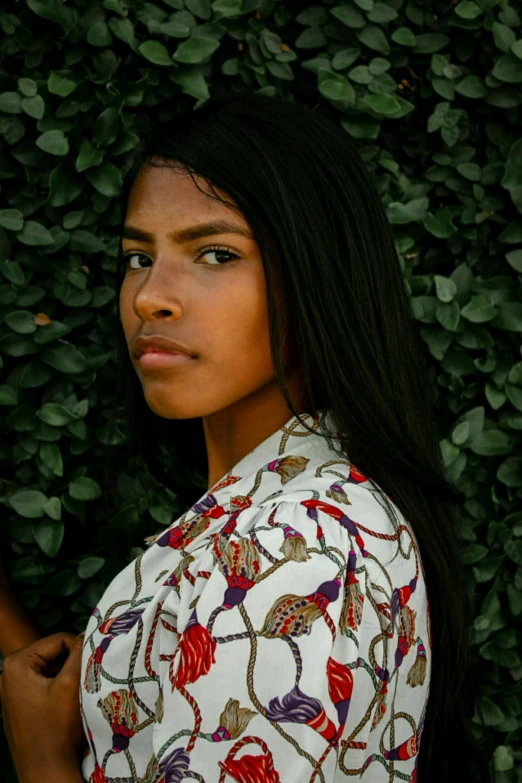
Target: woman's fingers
43 656
71 670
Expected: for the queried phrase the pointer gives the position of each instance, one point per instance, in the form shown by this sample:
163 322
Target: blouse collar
283 455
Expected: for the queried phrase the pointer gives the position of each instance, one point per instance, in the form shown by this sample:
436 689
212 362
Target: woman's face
207 293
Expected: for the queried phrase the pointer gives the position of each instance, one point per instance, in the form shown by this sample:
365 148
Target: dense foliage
430 91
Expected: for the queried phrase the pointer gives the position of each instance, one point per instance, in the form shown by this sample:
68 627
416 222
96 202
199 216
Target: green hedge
431 92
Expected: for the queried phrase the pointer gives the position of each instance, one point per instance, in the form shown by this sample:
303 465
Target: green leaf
382 103
65 357
107 126
157 53
60 85
27 86
510 472
440 224
460 433
413 210
90 566
494 396
427 43
351 17
83 241
379 66
516 48
311 38
345 57
106 178
65 185
98 34
88 156
486 569
503 36
503 757
34 234
12 271
363 127
50 332
52 10
84 488
374 38
21 321
28 503
314 15
8 395
515 600
196 49
472 86
200 8
491 442
513 550
473 553
12 219
49 536
514 258
445 288
34 107
508 68
11 102
382 14
467 9
448 315
479 310
515 374
51 456
337 89
55 414
122 29
509 316
404 36
228 8
361 74
54 142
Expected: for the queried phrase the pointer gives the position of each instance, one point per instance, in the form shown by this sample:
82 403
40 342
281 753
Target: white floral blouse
278 631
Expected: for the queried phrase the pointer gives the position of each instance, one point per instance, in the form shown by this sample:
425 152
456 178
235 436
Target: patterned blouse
277 631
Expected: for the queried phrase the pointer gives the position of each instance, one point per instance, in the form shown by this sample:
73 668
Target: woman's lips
153 360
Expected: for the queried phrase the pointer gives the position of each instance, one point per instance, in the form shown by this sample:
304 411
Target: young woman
306 618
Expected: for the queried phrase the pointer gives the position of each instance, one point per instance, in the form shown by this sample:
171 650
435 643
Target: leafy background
431 94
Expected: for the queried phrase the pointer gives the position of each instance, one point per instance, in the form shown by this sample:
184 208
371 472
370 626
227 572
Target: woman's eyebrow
189 233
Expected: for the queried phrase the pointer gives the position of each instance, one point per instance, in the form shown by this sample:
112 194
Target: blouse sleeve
270 615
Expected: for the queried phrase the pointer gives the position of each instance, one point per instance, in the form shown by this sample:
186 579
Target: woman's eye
128 256
217 251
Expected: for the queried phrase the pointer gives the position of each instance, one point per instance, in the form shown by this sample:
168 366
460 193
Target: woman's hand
39 690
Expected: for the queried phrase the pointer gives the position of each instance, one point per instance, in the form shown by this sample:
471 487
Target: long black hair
335 286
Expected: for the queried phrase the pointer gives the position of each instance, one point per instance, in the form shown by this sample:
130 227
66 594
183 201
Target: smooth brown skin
219 311
17 630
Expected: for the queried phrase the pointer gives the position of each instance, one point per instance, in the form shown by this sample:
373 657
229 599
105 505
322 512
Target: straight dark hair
334 287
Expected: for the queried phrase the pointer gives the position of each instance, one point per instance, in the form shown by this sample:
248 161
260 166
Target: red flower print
197 648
